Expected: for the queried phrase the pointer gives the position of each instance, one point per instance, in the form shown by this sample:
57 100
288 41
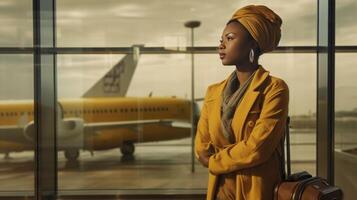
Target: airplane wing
93 127
13 134
17 133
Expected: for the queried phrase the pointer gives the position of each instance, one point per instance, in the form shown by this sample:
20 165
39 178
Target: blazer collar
259 77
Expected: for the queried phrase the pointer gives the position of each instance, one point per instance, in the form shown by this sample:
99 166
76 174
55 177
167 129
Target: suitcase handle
285 174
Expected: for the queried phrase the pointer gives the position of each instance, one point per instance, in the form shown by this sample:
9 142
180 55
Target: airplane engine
29 131
70 133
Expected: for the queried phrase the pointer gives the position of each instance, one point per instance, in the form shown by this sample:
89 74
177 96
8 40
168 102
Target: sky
160 23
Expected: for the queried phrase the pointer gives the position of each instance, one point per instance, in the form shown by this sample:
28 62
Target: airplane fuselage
103 110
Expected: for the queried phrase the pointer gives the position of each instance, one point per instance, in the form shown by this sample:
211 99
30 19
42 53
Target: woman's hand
204 158
204 155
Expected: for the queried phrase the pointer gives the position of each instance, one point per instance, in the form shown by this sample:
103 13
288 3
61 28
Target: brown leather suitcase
301 185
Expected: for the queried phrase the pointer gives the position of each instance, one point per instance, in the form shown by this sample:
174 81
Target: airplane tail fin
116 82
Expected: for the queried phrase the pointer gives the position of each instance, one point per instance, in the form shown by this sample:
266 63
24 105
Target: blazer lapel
249 98
241 112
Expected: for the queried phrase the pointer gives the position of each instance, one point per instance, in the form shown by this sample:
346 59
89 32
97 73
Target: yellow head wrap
263 25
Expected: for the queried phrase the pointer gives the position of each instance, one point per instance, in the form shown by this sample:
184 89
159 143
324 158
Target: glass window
345 100
158 90
345 23
16 120
16 23
346 124
161 23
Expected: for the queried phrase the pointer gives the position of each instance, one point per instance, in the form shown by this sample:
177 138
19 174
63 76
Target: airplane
103 118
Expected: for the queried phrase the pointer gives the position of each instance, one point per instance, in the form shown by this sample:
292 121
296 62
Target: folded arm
264 138
202 138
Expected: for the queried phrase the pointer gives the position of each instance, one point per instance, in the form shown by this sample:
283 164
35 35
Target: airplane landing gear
128 148
71 154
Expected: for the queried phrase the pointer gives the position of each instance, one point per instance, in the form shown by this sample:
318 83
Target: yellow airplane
102 119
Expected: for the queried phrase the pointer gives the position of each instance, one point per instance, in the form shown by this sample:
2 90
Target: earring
251 55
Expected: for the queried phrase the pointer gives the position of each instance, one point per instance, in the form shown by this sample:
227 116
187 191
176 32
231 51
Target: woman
243 117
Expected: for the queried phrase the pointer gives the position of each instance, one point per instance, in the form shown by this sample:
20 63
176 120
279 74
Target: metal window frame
162 50
325 89
45 99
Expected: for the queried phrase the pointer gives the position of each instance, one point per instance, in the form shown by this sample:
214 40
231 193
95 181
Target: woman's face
235 44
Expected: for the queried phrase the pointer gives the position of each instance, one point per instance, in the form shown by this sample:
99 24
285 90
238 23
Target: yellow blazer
258 125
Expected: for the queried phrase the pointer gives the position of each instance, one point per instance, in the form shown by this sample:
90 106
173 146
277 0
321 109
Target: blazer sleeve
264 138
202 138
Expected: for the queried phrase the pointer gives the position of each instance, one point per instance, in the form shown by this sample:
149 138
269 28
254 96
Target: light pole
192 24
